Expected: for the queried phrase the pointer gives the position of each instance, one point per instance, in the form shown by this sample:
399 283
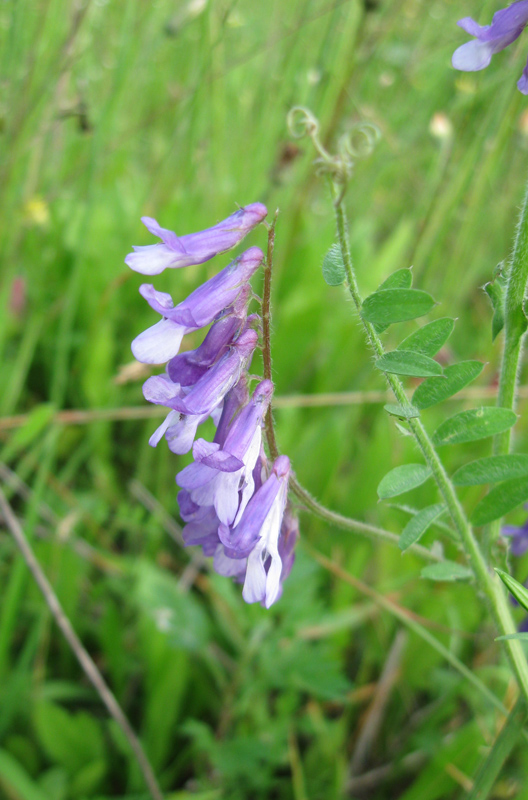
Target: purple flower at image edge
518 535
506 26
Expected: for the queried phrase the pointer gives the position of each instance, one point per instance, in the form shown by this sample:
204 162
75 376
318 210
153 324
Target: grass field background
177 110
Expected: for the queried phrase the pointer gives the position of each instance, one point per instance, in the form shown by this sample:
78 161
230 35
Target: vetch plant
234 496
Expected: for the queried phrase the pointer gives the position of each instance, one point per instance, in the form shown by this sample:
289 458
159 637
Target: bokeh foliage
111 110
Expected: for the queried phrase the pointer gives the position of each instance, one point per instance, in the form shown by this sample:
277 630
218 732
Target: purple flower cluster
506 26
232 500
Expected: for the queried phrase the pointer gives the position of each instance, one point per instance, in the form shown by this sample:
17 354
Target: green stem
349 524
487 581
491 767
514 330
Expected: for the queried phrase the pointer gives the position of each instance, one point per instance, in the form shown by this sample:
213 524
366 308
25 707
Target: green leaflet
469 426
435 390
517 589
402 479
403 412
502 498
496 290
491 470
405 362
438 522
333 267
417 525
401 279
446 571
430 338
387 306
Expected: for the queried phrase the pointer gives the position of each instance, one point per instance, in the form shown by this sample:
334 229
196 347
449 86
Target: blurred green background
112 110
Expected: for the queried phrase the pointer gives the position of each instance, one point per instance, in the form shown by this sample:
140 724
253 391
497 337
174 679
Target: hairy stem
487 581
349 524
82 655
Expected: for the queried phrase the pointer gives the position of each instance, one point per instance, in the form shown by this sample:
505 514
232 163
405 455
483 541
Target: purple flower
222 476
256 536
179 429
161 342
209 391
506 26
191 405
187 368
193 248
229 567
203 532
519 538
518 547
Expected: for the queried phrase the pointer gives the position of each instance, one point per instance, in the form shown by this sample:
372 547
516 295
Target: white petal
271 526
254 590
472 56
159 343
151 259
248 486
273 580
180 436
226 498
205 495
170 419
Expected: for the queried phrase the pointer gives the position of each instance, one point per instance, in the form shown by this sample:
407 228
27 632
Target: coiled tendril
358 142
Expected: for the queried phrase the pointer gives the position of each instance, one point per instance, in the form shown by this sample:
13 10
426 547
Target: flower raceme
506 26
233 503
